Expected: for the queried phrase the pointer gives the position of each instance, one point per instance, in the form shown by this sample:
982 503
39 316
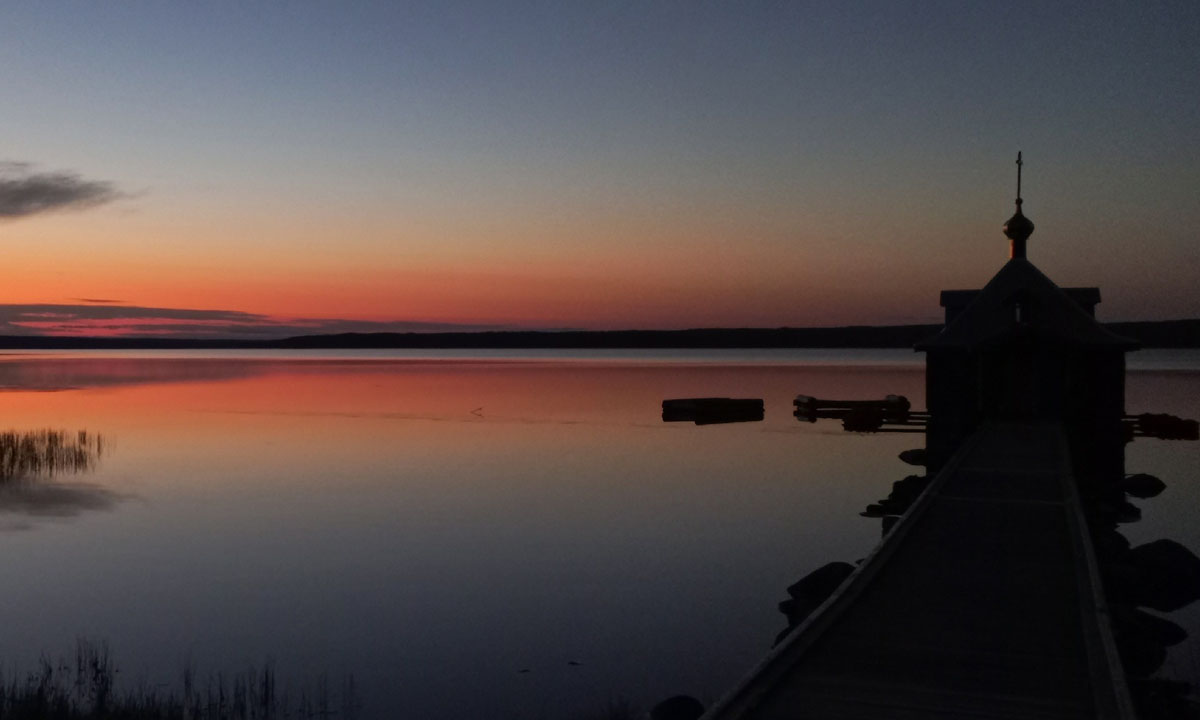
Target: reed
46 453
86 689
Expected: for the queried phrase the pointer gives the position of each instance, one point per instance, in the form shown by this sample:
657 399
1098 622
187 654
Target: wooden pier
983 602
984 599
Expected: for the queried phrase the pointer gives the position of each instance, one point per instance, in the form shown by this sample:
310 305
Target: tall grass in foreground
86 688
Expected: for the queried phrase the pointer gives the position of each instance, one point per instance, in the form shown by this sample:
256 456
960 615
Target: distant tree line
1158 334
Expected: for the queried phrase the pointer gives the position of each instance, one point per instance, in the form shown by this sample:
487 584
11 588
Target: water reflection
31 465
51 374
359 517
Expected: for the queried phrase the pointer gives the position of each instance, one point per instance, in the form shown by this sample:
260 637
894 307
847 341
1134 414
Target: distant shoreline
1151 334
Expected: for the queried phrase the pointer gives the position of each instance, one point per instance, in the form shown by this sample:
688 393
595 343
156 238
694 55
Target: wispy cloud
111 320
25 191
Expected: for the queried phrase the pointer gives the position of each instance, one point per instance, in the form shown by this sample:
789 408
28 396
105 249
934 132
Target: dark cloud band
139 321
24 192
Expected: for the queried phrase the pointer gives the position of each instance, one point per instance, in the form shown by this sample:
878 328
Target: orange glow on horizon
616 295
572 271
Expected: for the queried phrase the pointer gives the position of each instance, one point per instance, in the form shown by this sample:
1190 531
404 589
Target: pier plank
981 607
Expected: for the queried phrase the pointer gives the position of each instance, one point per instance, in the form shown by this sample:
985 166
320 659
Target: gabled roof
1021 301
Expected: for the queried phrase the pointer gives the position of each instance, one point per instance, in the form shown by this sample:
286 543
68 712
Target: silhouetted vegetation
705 338
85 687
30 463
1168 333
47 453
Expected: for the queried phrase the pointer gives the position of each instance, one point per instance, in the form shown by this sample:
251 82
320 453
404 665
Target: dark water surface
436 523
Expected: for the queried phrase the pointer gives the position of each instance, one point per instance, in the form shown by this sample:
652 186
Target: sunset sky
229 168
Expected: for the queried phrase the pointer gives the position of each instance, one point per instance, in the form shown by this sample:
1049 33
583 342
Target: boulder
809 592
1141 485
1122 581
1160 698
821 582
910 487
1169 575
1140 654
1165 632
1109 544
1127 512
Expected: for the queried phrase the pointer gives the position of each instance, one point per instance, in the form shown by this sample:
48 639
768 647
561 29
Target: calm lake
472 534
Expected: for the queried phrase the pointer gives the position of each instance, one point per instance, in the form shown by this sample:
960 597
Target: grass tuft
86 689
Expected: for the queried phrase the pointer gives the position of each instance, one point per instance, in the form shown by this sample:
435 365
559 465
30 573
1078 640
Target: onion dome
1018 228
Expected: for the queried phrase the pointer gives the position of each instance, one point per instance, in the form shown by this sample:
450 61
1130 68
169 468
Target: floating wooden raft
863 415
708 411
1159 425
